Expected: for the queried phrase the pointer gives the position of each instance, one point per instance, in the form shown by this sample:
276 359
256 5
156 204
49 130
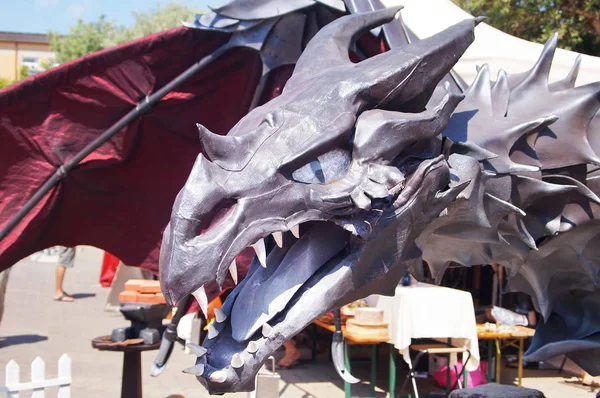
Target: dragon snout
201 214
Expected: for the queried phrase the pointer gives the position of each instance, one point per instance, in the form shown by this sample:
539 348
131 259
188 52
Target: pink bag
474 379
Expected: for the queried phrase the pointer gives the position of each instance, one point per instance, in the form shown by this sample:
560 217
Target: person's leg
505 317
66 259
3 283
59 293
532 318
525 307
291 356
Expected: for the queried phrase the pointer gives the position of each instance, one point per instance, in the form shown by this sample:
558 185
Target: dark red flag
119 198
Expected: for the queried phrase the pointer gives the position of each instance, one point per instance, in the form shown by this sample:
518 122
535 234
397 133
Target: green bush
23 72
5 82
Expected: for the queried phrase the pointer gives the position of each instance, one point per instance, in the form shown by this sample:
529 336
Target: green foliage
85 38
5 82
156 19
47 64
576 21
23 72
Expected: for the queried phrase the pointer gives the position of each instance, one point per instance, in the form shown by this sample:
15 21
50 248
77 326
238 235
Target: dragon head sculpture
343 168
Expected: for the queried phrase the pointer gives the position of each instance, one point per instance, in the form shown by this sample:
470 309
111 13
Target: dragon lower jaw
255 327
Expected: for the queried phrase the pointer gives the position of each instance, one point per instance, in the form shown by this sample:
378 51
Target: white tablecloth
429 311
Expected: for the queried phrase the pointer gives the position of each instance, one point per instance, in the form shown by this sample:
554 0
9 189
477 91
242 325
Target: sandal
64 297
290 366
295 361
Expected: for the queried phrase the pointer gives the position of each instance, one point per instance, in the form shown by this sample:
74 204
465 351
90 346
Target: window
32 64
30 60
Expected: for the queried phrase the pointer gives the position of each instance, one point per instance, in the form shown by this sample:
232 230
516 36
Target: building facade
23 49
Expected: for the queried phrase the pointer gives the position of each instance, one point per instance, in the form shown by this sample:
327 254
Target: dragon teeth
212 331
267 330
296 231
196 349
252 347
196 370
261 252
278 236
202 299
218 377
233 271
220 315
350 228
237 361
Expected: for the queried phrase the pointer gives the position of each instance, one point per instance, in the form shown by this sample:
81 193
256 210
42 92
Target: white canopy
492 46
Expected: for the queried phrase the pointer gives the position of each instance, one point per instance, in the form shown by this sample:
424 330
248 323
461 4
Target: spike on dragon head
348 152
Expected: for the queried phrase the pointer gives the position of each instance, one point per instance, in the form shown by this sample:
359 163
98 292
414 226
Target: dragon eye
326 168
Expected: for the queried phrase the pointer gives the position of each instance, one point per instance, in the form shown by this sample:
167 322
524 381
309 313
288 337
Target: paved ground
34 325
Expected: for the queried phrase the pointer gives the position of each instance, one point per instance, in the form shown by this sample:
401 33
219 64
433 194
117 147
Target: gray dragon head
343 169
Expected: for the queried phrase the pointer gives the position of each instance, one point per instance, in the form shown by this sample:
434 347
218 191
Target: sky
42 16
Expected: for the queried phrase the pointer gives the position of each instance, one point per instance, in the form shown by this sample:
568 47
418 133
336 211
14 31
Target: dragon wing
119 197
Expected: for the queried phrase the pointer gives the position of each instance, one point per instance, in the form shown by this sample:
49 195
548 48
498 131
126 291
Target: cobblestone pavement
35 325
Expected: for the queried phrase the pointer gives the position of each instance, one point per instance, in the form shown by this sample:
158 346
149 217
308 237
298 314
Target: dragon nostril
217 214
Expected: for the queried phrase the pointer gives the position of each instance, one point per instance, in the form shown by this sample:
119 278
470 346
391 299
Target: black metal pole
142 107
169 337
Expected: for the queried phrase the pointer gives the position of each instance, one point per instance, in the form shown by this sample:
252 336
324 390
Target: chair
434 349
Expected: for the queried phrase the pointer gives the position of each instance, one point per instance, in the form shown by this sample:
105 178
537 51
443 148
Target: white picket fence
38 382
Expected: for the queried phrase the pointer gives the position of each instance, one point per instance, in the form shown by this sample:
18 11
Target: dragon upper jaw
273 304
211 261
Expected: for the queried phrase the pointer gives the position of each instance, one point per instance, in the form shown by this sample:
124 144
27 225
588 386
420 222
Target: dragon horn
383 135
569 81
329 48
421 65
541 69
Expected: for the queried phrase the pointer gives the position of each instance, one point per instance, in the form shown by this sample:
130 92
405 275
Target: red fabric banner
109 269
119 198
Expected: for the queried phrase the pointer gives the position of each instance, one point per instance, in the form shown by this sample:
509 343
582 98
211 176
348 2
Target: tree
576 21
83 38
5 82
23 72
156 19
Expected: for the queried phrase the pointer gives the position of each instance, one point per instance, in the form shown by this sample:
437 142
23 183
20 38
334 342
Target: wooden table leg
393 367
448 372
374 359
498 362
465 374
520 366
131 382
347 386
490 357
313 354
